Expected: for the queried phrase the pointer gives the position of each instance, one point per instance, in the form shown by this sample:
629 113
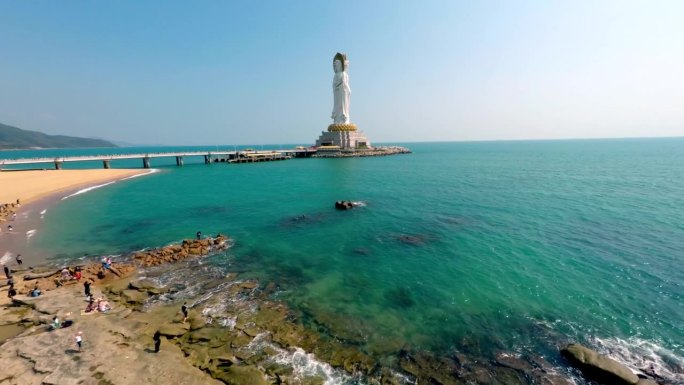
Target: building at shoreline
342 134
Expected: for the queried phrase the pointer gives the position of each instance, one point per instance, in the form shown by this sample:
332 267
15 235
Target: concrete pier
245 156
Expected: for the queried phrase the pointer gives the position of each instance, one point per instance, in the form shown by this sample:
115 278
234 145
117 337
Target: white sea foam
5 258
640 355
305 365
151 171
85 190
42 213
30 233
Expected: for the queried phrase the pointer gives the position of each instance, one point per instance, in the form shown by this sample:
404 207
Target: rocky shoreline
235 333
375 151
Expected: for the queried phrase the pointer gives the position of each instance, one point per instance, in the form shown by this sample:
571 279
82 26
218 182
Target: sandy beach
34 184
38 190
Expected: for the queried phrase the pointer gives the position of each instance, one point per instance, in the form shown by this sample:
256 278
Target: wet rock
248 285
197 355
209 336
134 297
196 322
240 340
598 367
429 369
244 354
188 248
271 288
148 286
513 362
173 330
241 375
507 376
344 205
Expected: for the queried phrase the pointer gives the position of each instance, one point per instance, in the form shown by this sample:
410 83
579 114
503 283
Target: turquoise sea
503 246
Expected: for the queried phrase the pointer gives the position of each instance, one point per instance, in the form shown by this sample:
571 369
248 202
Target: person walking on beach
19 260
86 286
79 340
157 341
184 309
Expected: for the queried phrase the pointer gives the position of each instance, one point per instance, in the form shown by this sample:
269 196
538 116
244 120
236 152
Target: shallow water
516 246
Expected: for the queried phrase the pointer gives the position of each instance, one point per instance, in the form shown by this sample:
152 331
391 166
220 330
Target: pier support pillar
58 165
146 162
179 161
105 164
207 159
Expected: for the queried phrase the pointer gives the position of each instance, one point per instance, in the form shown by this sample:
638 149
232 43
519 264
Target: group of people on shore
69 274
97 305
8 210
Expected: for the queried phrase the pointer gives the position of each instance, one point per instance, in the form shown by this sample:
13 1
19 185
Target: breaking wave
643 356
85 190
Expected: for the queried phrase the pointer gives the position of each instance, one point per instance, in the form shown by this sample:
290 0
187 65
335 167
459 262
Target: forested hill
16 138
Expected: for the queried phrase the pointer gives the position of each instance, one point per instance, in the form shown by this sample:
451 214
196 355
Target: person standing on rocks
157 341
184 309
7 272
19 260
199 235
79 340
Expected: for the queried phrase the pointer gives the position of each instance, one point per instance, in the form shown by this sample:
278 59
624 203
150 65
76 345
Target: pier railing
209 157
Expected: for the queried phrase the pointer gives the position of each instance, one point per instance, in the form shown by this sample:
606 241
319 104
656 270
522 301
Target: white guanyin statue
341 90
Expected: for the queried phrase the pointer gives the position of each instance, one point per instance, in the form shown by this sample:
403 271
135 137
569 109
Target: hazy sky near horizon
214 72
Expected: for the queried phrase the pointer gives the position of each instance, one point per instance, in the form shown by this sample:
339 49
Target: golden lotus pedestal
337 127
343 136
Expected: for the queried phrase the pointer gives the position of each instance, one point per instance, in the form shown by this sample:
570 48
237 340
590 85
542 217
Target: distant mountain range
16 138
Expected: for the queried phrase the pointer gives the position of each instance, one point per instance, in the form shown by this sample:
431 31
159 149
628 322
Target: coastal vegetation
12 138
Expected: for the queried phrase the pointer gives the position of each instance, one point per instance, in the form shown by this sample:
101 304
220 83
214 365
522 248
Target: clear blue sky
259 72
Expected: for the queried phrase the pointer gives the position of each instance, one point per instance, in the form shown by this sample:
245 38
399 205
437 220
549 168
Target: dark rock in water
361 251
512 362
414 240
599 367
429 369
344 205
400 297
188 248
301 220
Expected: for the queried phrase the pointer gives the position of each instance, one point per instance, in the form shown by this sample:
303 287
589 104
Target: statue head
343 62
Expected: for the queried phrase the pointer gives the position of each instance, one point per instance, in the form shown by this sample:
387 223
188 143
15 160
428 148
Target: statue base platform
344 136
